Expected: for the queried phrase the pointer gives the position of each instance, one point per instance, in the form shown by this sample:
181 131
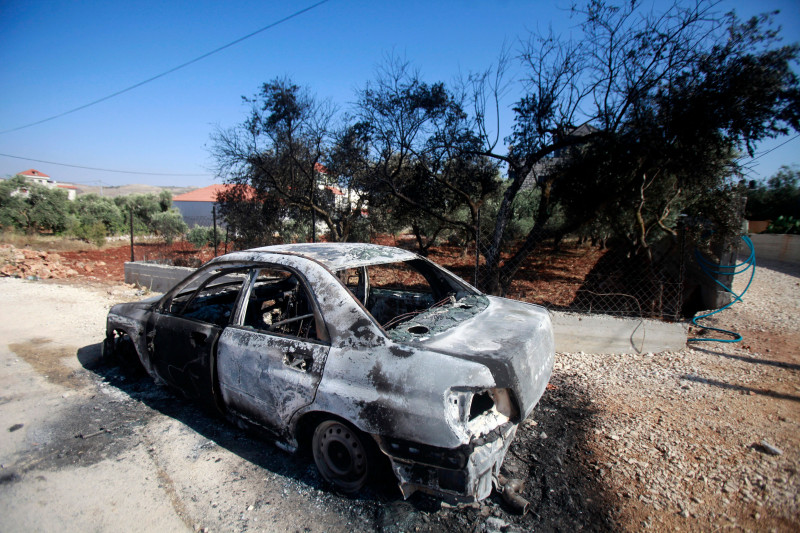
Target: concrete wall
773 247
606 334
155 277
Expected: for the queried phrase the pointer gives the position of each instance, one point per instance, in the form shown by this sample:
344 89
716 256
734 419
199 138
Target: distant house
197 206
40 178
34 176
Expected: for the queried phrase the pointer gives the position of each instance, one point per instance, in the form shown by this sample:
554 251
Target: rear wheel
341 455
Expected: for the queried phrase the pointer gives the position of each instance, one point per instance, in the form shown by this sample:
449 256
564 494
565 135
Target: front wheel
340 455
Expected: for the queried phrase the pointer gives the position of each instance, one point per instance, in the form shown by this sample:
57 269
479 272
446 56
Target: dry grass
62 243
49 243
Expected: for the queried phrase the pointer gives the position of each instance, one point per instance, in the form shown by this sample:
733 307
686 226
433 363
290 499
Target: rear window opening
412 299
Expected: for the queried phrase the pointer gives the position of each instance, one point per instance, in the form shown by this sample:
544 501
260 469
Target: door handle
302 363
198 336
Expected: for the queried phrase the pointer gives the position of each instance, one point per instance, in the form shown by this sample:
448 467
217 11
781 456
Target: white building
40 178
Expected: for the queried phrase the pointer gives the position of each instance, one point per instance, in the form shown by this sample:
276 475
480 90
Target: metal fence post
477 245
214 217
131 217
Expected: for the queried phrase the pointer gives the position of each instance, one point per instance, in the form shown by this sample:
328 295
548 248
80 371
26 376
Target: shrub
168 225
784 224
200 236
94 233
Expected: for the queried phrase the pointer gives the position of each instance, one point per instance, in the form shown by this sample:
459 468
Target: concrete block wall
773 247
614 335
155 277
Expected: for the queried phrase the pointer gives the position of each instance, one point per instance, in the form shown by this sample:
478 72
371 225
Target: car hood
129 308
514 340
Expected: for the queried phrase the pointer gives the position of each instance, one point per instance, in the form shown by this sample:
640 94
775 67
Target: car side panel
399 391
268 377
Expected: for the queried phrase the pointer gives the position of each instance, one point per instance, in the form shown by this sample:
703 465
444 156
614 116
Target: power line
170 71
762 154
103 169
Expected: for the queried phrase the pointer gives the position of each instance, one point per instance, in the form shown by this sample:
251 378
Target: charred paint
379 414
382 383
362 329
401 351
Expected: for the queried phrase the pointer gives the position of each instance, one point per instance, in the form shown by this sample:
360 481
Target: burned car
356 350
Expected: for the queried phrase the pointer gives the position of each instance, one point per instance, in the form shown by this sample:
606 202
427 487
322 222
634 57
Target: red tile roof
33 173
206 194
66 186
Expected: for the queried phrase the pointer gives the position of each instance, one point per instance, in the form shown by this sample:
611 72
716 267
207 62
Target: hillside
123 190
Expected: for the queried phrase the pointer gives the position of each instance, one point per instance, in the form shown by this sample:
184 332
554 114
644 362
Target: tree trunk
423 250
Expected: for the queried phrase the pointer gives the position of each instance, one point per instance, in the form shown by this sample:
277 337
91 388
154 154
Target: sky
58 55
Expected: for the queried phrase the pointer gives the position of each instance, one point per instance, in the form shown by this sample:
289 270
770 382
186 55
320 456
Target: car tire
341 455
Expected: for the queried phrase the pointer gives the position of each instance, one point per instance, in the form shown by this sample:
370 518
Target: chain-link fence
204 220
578 275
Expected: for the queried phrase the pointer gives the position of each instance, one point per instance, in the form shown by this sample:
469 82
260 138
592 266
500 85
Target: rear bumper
461 475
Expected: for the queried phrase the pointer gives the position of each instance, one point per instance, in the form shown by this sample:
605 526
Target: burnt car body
352 347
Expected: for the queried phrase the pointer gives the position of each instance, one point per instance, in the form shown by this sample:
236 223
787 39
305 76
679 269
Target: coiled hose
712 270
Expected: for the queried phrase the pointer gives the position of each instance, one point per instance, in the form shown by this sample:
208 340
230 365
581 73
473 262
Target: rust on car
361 349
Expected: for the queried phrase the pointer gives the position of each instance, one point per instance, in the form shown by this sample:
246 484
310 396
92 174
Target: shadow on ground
559 482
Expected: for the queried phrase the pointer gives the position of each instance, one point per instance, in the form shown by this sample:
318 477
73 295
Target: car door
182 333
270 361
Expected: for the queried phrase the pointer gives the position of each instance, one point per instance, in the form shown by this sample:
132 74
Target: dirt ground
705 439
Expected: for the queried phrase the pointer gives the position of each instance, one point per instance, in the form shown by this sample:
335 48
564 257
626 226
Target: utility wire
102 169
762 154
170 71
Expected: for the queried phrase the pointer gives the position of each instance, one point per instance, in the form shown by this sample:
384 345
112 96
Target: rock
495 525
770 449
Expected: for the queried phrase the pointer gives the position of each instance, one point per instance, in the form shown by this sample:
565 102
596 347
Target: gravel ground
703 439
707 437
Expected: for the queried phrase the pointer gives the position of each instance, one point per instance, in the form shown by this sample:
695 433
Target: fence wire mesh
577 275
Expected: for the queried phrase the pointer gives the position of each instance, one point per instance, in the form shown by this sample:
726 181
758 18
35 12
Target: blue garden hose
712 270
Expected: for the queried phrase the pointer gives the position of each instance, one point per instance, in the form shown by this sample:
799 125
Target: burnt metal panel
268 377
182 353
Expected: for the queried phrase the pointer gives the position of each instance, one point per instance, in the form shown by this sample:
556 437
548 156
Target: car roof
340 255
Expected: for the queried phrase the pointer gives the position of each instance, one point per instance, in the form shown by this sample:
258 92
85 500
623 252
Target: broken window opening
394 293
280 303
210 297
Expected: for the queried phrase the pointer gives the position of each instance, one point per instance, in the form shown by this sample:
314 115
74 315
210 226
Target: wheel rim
340 455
